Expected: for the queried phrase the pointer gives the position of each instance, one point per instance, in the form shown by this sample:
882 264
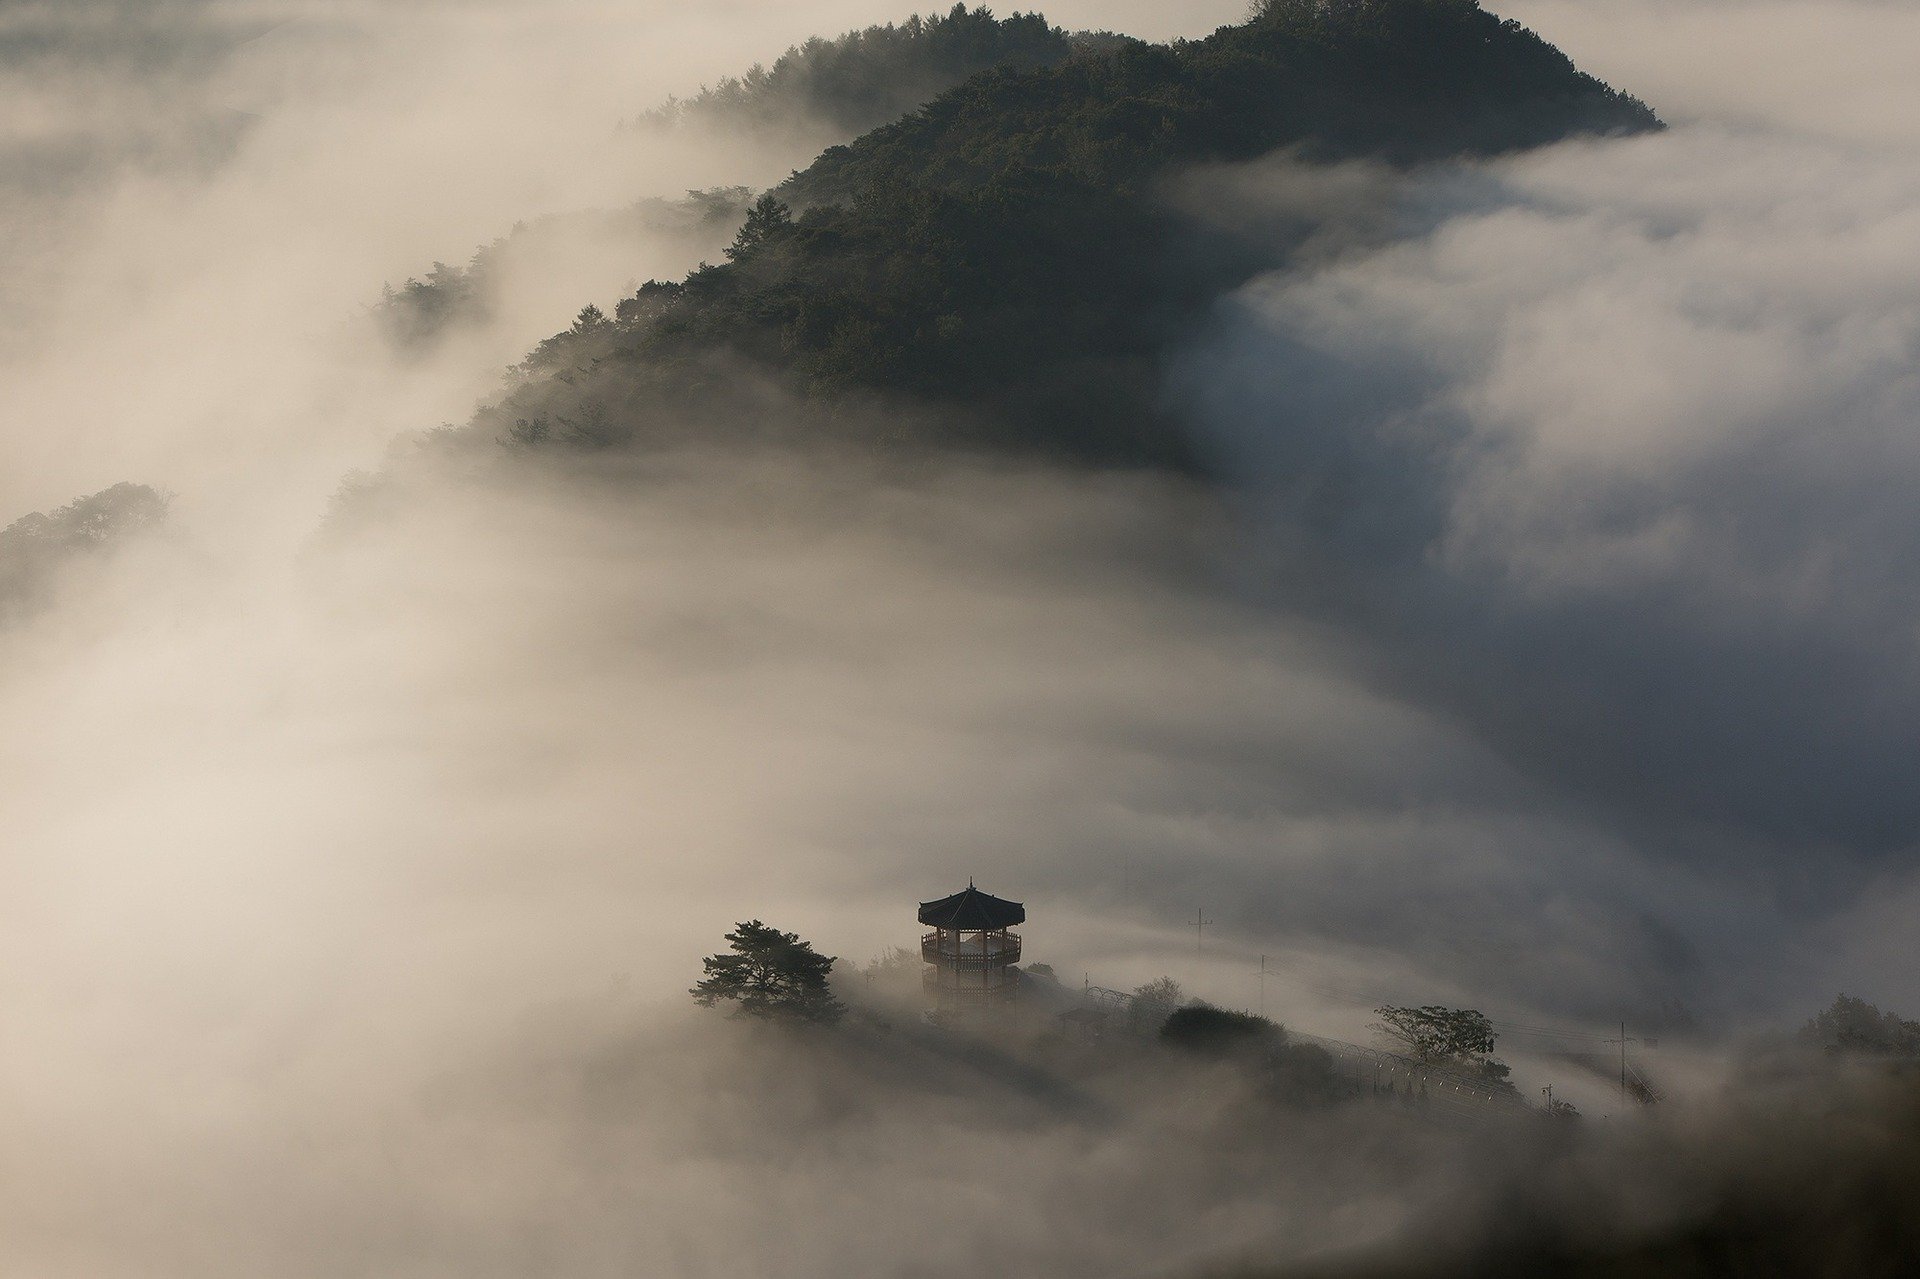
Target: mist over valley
1265 641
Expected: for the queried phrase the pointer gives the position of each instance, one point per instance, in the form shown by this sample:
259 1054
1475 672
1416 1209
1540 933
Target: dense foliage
425 308
820 91
865 78
1210 1031
1002 259
1436 1034
770 975
1407 80
1854 1026
34 547
1290 1073
1458 1038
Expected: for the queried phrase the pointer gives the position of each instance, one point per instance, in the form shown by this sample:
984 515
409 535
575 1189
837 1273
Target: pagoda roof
972 910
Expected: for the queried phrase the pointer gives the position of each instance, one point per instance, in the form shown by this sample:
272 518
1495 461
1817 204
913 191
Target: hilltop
866 78
1004 261
817 93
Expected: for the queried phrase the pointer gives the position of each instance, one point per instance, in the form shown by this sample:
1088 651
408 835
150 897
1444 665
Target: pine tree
770 974
765 220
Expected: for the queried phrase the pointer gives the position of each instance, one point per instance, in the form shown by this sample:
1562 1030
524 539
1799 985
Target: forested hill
35 549
823 91
865 78
1403 80
1003 260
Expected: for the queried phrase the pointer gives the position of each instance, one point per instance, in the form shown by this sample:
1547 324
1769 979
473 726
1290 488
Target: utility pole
1200 922
1623 1041
1263 985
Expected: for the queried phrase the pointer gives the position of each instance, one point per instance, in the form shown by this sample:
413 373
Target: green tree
770 974
1438 1035
1851 1025
864 79
528 433
1003 258
35 547
1461 1038
767 219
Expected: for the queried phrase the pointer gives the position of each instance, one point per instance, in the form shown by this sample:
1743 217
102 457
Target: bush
1218 1032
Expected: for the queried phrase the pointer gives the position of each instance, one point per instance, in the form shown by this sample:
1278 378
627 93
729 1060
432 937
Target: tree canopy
1456 1038
35 547
771 975
1432 1033
1003 259
865 78
424 309
1210 1031
819 91
1854 1026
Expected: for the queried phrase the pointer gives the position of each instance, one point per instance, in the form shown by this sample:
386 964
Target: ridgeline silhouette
1003 261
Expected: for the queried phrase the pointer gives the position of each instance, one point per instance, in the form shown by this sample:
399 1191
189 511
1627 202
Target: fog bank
1550 650
1610 453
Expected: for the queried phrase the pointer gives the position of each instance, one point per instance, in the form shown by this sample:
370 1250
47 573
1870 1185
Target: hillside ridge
1002 259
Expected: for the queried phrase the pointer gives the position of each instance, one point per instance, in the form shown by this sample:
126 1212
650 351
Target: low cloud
1552 655
1611 456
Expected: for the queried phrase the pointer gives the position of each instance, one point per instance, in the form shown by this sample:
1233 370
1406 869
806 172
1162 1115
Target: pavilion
970 950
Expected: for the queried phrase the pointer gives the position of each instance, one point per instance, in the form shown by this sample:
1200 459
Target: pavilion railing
998 950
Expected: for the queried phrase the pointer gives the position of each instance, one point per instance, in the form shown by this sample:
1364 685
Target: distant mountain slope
820 92
424 309
1002 259
1402 80
35 548
866 78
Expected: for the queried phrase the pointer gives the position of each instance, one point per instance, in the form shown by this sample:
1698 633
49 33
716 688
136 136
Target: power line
1623 1041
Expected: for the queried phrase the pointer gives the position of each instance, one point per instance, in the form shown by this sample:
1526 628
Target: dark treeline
34 548
817 92
866 78
1003 259
425 308
1852 1026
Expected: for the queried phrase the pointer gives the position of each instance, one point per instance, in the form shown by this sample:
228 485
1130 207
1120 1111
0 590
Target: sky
343 868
